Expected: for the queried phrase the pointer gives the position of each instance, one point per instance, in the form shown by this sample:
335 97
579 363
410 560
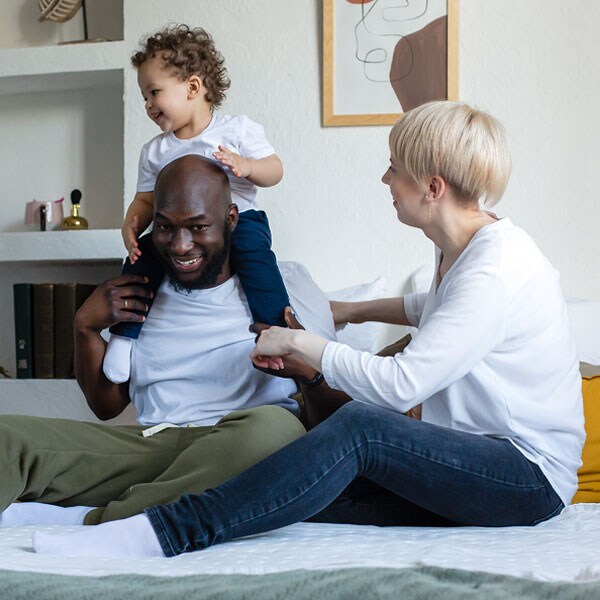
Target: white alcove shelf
67 246
61 397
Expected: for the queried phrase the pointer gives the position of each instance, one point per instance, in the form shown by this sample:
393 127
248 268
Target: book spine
64 311
23 330
68 297
43 330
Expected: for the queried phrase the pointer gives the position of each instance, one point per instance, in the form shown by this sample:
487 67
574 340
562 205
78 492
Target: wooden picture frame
382 58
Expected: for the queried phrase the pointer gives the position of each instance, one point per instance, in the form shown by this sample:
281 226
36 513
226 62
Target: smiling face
193 220
165 95
407 194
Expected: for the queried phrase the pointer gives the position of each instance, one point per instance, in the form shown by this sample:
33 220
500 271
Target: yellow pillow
589 473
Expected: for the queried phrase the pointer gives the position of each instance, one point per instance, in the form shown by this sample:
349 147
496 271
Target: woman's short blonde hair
465 146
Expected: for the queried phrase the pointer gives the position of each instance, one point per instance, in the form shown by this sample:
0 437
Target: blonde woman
493 365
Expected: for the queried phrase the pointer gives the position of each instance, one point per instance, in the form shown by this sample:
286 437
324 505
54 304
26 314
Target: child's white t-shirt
237 133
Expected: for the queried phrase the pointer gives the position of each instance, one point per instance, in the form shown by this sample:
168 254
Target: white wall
56 141
533 64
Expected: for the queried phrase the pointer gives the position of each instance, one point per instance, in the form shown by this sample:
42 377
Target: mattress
565 548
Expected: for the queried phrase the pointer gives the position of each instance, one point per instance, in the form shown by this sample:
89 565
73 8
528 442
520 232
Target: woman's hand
291 366
343 312
275 343
272 345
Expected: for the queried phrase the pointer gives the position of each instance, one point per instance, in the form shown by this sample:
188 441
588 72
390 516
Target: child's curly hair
188 52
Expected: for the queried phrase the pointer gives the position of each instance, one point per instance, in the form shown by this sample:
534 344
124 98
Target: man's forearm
106 399
320 401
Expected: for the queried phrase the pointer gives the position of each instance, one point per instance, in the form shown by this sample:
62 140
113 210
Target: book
68 297
43 330
23 330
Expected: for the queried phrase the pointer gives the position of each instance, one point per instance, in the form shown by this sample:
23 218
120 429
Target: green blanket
410 584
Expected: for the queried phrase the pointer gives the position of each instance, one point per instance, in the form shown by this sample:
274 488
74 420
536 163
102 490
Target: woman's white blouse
494 355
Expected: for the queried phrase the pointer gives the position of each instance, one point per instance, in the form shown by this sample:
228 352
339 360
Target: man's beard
211 271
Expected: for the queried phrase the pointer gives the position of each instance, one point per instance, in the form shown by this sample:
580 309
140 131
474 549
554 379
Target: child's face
165 95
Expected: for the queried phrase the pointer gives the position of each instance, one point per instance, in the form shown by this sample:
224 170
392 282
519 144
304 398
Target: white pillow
308 300
361 336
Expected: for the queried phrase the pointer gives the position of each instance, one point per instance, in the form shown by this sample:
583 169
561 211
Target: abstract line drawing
383 57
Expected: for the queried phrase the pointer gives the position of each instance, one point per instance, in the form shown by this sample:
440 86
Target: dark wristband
316 380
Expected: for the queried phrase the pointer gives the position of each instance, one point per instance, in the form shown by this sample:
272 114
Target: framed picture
384 57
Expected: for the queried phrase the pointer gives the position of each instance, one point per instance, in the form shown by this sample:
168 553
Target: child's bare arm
263 172
137 218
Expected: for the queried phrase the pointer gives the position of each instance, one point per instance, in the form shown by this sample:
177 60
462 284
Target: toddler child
183 80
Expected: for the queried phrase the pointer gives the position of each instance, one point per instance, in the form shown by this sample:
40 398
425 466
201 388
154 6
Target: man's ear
195 87
232 216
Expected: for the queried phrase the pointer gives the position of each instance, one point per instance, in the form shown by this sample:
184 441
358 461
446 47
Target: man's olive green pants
118 470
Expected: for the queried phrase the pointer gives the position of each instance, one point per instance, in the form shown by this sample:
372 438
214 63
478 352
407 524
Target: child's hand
130 232
238 165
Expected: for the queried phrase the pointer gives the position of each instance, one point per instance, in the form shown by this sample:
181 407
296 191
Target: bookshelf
62 114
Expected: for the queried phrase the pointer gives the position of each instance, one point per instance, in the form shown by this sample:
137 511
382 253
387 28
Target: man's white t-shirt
237 133
494 355
191 363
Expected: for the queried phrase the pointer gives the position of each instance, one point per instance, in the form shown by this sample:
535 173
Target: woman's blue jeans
366 465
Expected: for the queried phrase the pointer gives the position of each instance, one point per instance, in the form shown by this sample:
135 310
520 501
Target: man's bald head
193 221
189 179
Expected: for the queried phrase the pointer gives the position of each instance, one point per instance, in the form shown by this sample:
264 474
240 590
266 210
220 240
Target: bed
559 558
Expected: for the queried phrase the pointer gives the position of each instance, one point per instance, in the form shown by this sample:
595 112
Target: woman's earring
428 200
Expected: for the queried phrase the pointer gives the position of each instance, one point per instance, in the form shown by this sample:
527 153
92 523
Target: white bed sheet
566 548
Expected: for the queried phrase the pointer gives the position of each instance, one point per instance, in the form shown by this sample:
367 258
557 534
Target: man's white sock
117 359
128 538
36 513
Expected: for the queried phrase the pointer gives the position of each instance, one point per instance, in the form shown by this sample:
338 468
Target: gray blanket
373 583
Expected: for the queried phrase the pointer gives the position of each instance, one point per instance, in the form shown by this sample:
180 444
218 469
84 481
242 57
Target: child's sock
128 538
37 513
117 359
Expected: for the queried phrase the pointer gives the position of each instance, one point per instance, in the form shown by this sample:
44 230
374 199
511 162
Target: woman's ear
437 188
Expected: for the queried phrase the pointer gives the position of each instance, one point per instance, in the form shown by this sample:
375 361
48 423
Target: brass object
75 220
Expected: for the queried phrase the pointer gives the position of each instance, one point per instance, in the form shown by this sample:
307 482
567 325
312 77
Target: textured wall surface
533 64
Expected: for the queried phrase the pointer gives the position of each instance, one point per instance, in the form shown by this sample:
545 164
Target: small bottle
74 221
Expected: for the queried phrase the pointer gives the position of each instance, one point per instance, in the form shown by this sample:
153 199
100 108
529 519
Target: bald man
205 414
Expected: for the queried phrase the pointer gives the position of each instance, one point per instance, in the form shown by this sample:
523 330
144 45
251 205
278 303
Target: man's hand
120 299
130 232
239 166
